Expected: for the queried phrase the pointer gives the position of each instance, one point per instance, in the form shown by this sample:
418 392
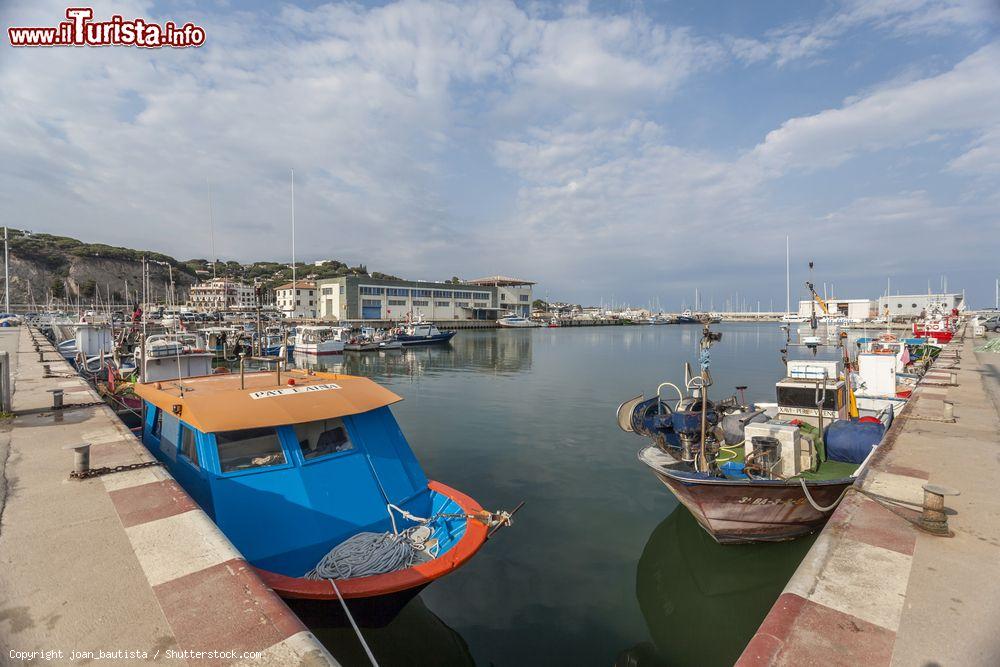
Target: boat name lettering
271 393
745 500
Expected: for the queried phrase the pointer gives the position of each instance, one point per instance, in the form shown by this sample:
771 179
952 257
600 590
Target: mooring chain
97 472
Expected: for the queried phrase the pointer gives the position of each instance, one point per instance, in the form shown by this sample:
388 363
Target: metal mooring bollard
57 398
949 411
933 519
81 457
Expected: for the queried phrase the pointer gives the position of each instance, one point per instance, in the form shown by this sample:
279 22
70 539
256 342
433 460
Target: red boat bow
390 582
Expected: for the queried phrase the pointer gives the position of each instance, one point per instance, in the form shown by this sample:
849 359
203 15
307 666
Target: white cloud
965 98
807 39
380 109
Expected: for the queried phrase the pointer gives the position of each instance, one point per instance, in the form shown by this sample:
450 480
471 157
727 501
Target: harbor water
601 566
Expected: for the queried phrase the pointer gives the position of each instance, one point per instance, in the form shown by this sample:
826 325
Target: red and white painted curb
210 596
844 602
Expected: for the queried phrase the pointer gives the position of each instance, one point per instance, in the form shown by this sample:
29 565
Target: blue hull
443 337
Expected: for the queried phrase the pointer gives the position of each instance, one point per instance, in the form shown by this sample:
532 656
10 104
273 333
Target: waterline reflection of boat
683 575
416 637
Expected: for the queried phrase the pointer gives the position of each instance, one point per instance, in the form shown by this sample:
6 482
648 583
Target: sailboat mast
788 281
211 228
293 243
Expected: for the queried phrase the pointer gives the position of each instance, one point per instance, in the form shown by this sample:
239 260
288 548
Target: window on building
397 302
298 302
462 304
397 291
914 305
372 290
423 292
442 304
249 448
503 297
327 290
420 303
341 289
371 302
442 294
298 292
319 438
482 305
463 295
523 297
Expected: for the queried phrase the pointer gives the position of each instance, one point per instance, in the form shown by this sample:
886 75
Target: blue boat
423 333
295 466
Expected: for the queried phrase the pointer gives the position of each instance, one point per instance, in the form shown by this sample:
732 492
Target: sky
610 151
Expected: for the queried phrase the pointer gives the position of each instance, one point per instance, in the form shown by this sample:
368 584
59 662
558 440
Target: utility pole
6 273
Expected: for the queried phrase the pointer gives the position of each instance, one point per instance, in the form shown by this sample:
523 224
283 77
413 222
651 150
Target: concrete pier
126 563
876 590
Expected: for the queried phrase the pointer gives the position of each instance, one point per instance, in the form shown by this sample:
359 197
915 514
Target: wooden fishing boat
758 473
293 465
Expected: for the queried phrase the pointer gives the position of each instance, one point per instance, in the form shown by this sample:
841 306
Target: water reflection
483 351
415 638
506 416
702 601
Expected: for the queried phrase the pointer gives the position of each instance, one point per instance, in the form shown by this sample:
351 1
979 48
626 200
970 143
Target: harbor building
912 305
300 300
514 295
852 309
223 294
367 298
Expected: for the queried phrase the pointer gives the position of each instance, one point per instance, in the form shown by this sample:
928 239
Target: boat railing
660 403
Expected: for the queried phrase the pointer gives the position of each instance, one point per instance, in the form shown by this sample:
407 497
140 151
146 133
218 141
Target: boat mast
788 283
293 244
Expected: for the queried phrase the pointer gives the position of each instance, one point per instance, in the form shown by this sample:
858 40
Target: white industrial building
914 305
382 299
852 309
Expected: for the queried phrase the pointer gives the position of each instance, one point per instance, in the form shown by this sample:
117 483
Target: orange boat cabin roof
215 403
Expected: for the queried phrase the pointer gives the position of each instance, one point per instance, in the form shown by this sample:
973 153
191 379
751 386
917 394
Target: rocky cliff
46 268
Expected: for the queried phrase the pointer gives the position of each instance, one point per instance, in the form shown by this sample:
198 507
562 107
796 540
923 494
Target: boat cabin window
319 438
189 448
249 448
158 423
168 428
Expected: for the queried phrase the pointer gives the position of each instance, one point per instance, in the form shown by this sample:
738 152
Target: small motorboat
422 333
517 322
310 477
764 472
321 341
687 317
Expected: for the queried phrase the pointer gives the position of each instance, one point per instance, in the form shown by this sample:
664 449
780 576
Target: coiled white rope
367 554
